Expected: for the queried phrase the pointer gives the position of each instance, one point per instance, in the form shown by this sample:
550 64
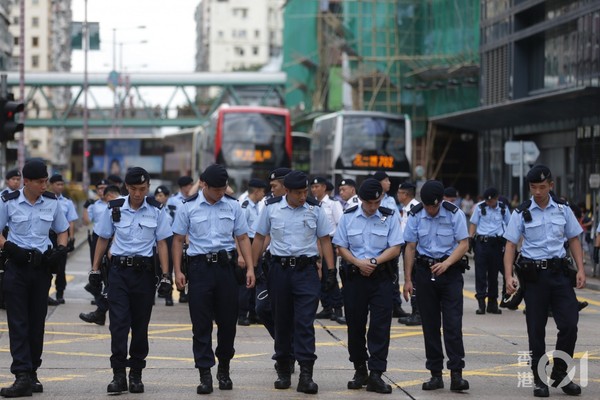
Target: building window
35 2
15 20
256 34
240 12
35 41
35 22
255 50
239 51
35 61
220 34
16 40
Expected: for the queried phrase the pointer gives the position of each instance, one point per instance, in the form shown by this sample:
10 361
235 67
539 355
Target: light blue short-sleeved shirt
368 236
293 231
389 202
494 222
437 236
251 211
211 227
136 232
544 237
29 224
68 208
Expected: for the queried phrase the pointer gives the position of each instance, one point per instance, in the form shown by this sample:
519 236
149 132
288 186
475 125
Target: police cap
162 189
114 179
136 176
490 193
348 182
295 180
380 175
102 182
328 186
257 183
450 192
56 178
279 173
184 181
407 186
318 180
215 176
35 169
432 193
11 173
370 189
538 174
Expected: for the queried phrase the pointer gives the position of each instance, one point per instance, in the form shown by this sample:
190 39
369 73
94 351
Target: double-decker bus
354 144
250 141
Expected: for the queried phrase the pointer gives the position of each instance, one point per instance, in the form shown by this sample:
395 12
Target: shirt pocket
355 238
558 226
20 224
198 224
445 236
534 231
278 230
226 223
309 228
379 238
148 229
45 224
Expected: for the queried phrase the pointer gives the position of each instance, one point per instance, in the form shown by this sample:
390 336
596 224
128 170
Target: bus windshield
253 138
373 143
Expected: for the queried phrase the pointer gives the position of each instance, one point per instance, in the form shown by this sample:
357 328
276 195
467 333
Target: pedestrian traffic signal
8 111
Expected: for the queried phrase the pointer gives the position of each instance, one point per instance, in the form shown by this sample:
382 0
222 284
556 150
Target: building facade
6 39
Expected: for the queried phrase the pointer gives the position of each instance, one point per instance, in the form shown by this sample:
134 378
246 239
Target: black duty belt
550 263
34 257
489 238
293 262
428 261
132 261
215 257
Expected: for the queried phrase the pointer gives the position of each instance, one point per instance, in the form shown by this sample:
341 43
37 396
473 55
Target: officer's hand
511 284
250 279
439 268
407 290
180 280
95 279
15 253
241 262
596 255
331 279
580 279
319 265
471 245
70 245
165 286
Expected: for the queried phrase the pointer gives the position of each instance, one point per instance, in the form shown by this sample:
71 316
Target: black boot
119 382
205 386
337 315
457 383
360 376
20 388
60 297
36 385
284 375
183 297
481 309
306 383
413 319
169 300
399 312
52 302
492 306
435 382
376 384
559 374
540 389
135 381
325 313
225 382
95 317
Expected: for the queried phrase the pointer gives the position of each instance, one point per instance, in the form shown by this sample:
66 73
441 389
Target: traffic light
8 110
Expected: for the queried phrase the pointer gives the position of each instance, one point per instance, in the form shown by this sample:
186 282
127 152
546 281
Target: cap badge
377 194
542 177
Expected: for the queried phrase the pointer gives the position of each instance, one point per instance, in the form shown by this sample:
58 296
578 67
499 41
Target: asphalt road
76 354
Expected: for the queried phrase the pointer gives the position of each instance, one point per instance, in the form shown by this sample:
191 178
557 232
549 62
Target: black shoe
361 375
457 383
135 381
571 388
20 388
337 315
183 297
540 389
243 321
169 302
36 385
435 382
399 312
205 386
582 305
95 317
93 290
325 313
223 377
305 382
376 384
412 320
93 302
119 382
492 306
481 307
60 297
52 302
284 379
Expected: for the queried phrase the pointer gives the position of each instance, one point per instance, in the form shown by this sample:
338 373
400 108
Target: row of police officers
369 238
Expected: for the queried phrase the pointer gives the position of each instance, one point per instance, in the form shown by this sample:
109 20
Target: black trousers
488 264
26 298
263 301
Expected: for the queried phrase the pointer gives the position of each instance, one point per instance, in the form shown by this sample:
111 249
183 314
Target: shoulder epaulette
10 196
502 208
482 208
415 210
450 206
66 197
245 204
558 200
153 202
386 211
313 202
274 200
50 195
171 207
524 208
332 198
350 210
88 203
116 202
231 197
191 198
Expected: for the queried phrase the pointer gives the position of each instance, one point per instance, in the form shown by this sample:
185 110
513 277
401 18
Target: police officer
436 240
406 197
488 222
368 239
330 299
161 194
57 186
12 181
596 255
251 208
545 222
294 223
213 221
30 213
136 223
347 190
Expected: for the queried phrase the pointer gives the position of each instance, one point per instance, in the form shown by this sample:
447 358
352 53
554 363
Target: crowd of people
281 248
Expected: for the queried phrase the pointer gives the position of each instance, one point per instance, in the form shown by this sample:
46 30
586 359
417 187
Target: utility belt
427 262
221 257
133 262
490 239
299 262
528 268
386 269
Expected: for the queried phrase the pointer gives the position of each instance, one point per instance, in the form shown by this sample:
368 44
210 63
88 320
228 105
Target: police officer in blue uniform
29 213
135 223
213 222
488 223
161 194
368 239
436 240
12 180
545 222
294 222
